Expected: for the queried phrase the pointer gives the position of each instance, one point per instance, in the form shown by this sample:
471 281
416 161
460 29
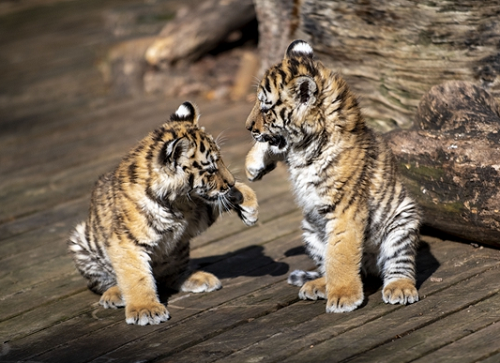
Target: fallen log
196 31
451 160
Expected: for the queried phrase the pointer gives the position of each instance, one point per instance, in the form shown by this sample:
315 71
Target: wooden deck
54 145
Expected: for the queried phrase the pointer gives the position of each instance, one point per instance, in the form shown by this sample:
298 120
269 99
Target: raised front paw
255 172
146 313
112 298
344 298
246 206
313 290
401 291
201 281
258 162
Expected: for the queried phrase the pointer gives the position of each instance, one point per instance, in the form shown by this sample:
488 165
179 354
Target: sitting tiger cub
357 213
169 188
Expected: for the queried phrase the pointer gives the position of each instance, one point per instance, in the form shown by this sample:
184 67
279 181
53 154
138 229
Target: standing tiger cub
357 213
169 188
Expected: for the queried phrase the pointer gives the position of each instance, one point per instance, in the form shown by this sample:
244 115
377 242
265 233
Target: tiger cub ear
186 112
305 90
299 48
173 150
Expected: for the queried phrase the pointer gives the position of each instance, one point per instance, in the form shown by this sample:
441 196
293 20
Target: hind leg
400 291
112 298
300 277
398 266
93 264
315 248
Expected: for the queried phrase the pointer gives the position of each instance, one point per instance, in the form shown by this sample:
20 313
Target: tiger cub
357 215
169 188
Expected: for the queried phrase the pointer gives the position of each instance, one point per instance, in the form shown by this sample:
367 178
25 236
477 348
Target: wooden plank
55 144
285 343
79 134
65 211
401 321
226 316
493 358
32 196
239 280
41 294
254 332
418 343
197 299
23 280
40 244
66 121
471 348
253 236
38 319
274 207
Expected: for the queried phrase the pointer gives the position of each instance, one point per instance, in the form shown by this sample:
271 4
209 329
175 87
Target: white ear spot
302 47
183 111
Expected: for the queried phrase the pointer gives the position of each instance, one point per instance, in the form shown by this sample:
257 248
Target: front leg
260 160
344 287
244 202
136 283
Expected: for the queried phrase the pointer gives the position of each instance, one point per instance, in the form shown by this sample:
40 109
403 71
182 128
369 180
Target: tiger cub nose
249 126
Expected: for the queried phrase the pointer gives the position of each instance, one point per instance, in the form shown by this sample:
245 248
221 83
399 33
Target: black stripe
157 134
132 173
282 74
267 86
150 153
282 115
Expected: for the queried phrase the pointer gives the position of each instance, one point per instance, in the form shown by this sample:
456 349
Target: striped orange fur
169 188
357 213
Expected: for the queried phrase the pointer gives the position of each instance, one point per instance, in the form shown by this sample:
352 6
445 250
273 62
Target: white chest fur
304 181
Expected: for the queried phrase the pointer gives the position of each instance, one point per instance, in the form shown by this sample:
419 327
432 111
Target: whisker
221 138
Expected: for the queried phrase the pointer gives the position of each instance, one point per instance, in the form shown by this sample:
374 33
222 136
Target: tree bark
451 161
390 52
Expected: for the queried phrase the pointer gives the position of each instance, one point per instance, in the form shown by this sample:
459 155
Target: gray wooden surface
59 130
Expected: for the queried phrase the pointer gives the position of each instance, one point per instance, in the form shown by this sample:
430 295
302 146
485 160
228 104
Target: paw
299 277
248 207
112 298
343 299
147 313
313 290
401 291
201 281
256 171
258 161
